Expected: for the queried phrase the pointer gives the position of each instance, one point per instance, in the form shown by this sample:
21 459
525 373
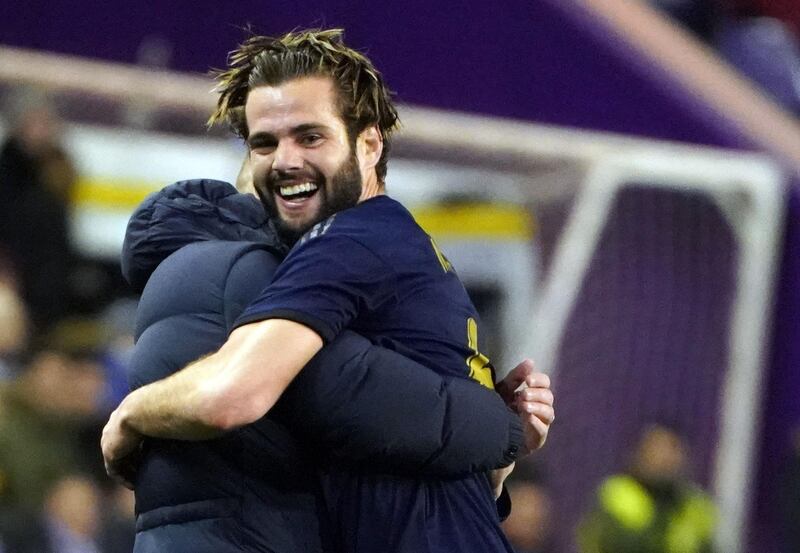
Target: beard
343 192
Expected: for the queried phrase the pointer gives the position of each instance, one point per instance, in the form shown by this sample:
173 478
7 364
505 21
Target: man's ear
370 147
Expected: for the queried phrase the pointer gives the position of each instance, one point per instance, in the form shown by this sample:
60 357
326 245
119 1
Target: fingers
119 479
122 472
536 388
514 379
535 406
538 395
537 380
534 402
542 411
121 452
535 440
518 374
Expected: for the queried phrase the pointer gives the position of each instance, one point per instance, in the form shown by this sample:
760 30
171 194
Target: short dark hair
363 98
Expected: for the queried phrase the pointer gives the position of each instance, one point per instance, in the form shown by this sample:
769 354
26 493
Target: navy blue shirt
372 269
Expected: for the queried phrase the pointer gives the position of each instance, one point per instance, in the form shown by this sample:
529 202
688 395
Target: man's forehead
292 102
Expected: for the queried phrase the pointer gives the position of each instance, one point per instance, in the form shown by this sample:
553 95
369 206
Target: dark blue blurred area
699 16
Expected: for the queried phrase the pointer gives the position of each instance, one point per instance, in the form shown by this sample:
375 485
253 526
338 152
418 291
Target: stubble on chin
342 192
291 233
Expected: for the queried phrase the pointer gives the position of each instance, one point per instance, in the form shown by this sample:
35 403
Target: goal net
656 263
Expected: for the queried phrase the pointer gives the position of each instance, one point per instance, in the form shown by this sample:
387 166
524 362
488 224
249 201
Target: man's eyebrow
264 138
305 127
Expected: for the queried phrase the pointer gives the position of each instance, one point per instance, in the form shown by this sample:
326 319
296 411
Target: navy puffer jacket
200 252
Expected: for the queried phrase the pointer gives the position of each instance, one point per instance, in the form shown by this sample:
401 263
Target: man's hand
528 393
121 450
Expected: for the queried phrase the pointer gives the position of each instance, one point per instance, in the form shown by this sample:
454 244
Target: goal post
654 299
749 194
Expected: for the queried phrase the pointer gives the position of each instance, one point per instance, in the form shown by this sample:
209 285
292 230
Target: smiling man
306 165
317 119
303 172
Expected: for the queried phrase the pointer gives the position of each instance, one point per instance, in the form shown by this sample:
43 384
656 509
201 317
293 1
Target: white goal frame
758 232
749 190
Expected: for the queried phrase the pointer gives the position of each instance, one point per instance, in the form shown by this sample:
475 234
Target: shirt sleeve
324 284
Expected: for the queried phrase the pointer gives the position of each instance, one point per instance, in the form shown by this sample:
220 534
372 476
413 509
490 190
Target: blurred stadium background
615 180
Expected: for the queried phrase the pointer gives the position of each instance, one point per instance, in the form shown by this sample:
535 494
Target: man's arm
233 387
369 406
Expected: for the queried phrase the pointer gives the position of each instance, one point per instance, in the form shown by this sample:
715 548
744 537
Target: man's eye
263 150
310 139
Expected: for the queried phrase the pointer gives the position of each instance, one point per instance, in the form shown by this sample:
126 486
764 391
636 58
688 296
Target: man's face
304 168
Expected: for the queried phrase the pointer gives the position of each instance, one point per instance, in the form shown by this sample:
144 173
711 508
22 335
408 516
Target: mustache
276 177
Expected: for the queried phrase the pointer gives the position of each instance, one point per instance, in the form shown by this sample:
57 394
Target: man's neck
371 188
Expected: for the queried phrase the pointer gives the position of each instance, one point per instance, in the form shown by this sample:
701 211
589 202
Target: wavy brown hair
363 98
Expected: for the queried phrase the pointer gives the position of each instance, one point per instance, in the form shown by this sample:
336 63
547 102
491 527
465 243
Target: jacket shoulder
193 280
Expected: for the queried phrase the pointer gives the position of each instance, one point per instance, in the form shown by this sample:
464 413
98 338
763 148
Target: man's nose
287 157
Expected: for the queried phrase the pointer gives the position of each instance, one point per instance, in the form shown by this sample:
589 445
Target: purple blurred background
543 61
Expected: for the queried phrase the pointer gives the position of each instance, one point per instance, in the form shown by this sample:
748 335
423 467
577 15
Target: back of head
363 97
187 212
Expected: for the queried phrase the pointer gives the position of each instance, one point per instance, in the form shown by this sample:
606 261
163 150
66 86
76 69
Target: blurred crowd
62 354
651 506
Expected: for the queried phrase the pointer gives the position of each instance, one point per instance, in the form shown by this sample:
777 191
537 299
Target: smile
297 191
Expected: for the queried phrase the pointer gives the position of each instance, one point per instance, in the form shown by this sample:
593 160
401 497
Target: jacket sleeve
372 407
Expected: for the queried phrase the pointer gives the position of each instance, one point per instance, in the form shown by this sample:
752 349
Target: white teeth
297 189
